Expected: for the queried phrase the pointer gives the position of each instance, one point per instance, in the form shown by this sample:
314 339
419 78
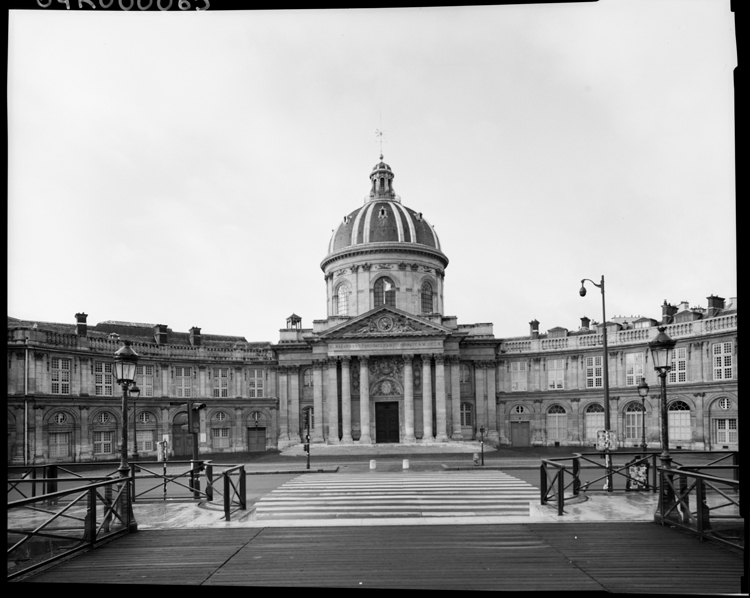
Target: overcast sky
188 168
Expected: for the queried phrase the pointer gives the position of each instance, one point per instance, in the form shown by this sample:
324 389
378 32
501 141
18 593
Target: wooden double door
386 422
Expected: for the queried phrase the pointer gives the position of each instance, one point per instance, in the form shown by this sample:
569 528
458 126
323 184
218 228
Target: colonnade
332 378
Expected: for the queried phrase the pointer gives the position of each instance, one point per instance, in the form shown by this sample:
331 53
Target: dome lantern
382 182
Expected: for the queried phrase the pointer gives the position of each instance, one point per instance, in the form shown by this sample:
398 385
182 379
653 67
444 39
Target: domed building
386 365
386 361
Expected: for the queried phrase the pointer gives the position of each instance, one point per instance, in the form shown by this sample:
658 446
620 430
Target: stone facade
386 365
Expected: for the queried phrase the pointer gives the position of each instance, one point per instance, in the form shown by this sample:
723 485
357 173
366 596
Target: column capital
346 359
363 359
408 358
440 358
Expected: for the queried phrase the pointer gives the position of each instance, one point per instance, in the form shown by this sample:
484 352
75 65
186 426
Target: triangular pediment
385 322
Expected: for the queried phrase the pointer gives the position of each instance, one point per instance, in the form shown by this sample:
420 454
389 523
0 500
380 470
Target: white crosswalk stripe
408 494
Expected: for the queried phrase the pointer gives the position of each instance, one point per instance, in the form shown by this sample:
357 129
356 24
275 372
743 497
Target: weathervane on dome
379 133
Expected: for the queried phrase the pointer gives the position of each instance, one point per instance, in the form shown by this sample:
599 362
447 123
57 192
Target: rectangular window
221 383
103 379
59 444
678 373
255 383
557 426
221 437
722 361
726 431
679 426
60 375
183 382
102 443
633 425
144 378
633 368
594 372
145 440
518 375
556 373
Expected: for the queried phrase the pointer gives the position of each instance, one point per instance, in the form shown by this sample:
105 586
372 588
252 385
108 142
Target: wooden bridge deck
615 557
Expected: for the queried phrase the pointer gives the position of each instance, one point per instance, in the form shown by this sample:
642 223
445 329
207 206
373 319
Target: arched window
385 292
342 301
307 416
594 420
679 421
634 421
307 378
426 295
557 423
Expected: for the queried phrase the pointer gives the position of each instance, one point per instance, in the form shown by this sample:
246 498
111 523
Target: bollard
406 463
372 463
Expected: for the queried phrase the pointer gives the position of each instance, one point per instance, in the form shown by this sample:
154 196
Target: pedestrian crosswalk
391 495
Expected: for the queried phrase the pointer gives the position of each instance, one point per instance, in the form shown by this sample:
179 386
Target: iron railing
232 490
560 478
44 529
703 503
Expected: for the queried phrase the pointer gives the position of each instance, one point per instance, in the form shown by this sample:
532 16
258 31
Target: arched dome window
426 296
385 292
342 301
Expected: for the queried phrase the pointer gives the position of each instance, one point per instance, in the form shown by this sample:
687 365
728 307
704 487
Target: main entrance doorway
386 422
520 434
256 440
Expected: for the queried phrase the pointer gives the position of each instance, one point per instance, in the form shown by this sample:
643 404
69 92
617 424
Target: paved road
408 494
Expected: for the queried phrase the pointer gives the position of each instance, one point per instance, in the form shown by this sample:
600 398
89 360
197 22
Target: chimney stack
585 322
160 334
667 313
195 336
81 327
534 329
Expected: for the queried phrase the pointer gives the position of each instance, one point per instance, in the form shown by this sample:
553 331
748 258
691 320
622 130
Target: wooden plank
619 557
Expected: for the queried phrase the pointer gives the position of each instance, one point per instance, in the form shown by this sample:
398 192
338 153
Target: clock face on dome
385 323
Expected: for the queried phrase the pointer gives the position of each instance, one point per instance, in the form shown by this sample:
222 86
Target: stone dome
383 219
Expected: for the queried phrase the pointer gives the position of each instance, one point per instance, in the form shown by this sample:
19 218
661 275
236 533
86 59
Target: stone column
479 387
408 400
574 423
456 397
294 404
346 400
364 401
503 432
427 435
332 401
283 405
238 442
86 447
491 404
318 401
440 406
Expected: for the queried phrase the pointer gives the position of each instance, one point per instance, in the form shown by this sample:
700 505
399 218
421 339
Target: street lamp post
605 378
643 393
660 353
126 360
135 393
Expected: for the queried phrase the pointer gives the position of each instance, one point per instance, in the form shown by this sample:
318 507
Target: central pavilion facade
386 365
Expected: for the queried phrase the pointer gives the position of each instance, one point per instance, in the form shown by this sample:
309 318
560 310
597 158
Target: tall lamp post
126 360
135 393
643 393
660 353
605 380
